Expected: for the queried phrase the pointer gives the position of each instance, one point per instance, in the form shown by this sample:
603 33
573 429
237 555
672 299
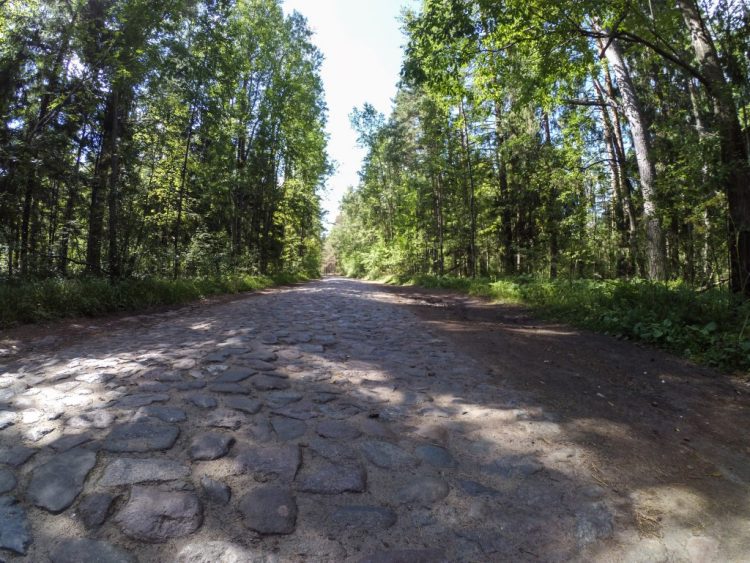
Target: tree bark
734 157
655 250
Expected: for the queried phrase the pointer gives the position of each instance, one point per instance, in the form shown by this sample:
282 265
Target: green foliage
56 298
710 327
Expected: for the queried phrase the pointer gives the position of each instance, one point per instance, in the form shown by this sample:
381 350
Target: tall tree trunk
181 195
655 250
553 227
472 204
62 264
736 174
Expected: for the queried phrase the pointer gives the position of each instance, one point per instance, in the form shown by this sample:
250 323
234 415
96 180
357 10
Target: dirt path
346 421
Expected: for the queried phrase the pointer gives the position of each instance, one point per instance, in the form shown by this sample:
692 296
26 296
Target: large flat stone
235 375
267 462
424 491
364 517
329 478
436 456
269 510
81 550
15 531
141 400
129 471
244 404
15 456
94 509
288 428
264 382
55 484
7 481
163 413
210 445
141 437
155 516
387 455
337 430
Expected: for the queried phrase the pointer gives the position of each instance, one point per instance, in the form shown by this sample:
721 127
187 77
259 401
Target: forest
158 139
572 139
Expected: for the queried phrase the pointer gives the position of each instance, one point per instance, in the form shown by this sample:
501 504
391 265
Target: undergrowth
709 327
33 301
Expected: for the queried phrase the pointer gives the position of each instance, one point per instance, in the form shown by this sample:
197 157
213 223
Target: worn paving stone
224 418
70 441
264 382
99 419
141 400
210 445
129 471
7 481
278 399
363 516
55 484
288 428
377 429
475 489
216 491
514 467
423 490
222 552
163 413
268 462
329 478
244 404
260 365
94 509
7 418
299 411
81 550
406 556
387 455
141 437
269 509
15 530
235 375
337 430
156 516
203 401
229 388
436 456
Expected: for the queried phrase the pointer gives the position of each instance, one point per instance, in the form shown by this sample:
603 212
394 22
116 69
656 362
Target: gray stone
339 411
229 389
16 456
55 484
221 552
216 491
217 357
299 411
475 489
189 385
224 418
328 478
7 418
153 387
129 471
424 491
155 516
264 382
334 451
39 431
268 462
337 430
436 456
262 355
165 414
282 398
78 550
7 481
235 375
514 467
593 523
378 429
269 510
94 509
287 428
141 437
96 419
260 365
70 441
141 400
366 517
15 531
203 401
210 445
386 455
244 404
406 556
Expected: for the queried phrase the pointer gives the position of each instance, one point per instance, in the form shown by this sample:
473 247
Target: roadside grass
35 301
709 327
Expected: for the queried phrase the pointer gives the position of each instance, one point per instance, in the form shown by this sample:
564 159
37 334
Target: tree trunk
472 204
736 173
553 218
655 251
181 195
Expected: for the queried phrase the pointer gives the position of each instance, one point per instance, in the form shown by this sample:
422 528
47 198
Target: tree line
574 137
158 138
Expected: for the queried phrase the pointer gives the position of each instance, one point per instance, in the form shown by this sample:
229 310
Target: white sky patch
361 42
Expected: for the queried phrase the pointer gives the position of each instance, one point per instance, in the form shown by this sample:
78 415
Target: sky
361 41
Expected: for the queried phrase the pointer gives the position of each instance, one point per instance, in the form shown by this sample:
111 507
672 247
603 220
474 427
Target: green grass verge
34 301
709 327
